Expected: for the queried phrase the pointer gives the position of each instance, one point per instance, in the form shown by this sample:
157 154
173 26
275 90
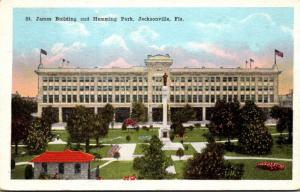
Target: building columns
203 113
60 119
39 111
96 110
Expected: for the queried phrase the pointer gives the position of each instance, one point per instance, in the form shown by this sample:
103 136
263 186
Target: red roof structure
66 156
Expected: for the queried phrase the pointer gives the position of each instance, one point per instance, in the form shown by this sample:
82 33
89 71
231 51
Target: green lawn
102 150
116 136
196 135
139 149
117 170
179 166
95 163
190 151
253 173
18 172
272 129
278 151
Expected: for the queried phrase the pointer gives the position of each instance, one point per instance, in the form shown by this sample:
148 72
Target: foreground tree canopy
154 163
21 118
254 137
139 112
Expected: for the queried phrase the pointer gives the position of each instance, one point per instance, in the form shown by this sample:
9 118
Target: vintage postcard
169 96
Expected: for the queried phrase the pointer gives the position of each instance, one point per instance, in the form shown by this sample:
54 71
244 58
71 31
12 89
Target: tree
180 153
21 119
128 138
210 164
100 126
188 113
225 119
284 118
139 112
108 113
37 139
154 163
28 172
80 127
49 116
254 137
12 164
177 120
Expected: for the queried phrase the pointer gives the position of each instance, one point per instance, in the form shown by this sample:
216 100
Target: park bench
113 150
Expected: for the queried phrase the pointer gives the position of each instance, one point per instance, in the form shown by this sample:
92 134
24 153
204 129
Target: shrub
117 155
234 171
144 127
191 127
124 127
229 146
28 172
97 171
97 156
137 128
180 153
128 138
186 147
255 141
44 176
172 137
12 164
151 126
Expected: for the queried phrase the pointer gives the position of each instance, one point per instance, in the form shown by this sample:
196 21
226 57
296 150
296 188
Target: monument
164 131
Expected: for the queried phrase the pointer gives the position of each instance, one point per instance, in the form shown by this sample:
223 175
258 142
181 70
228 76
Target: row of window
155 98
61 168
94 79
223 79
93 98
213 98
155 79
218 88
93 88
157 88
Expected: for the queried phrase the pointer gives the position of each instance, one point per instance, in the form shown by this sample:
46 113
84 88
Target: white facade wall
200 87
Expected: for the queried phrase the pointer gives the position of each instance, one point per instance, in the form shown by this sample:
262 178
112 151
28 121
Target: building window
127 98
177 98
87 79
99 98
110 98
81 98
77 168
92 98
50 98
117 98
44 167
75 98
61 168
194 98
63 98
122 98
200 98
50 79
56 98
56 79
69 79
45 79
44 88
44 98
218 79
56 88
172 98
189 79
206 98
69 88
99 79
104 98
190 98
87 98
63 88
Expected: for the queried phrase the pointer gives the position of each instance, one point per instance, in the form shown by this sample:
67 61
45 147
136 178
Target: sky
206 37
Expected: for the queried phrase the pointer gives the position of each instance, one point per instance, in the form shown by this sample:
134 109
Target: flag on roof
43 52
278 53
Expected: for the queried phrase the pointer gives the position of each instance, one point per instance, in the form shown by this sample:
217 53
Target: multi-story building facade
64 88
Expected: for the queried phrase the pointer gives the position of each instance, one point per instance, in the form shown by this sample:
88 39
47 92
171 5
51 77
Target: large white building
64 88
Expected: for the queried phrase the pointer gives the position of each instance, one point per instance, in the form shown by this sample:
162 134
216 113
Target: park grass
278 151
196 135
18 172
139 149
117 170
179 168
254 173
117 136
95 163
101 150
190 151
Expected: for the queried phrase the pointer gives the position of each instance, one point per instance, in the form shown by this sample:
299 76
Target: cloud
212 49
115 40
257 16
120 63
143 35
286 29
158 48
74 28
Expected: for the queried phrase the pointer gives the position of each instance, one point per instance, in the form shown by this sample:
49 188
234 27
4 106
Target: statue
165 76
